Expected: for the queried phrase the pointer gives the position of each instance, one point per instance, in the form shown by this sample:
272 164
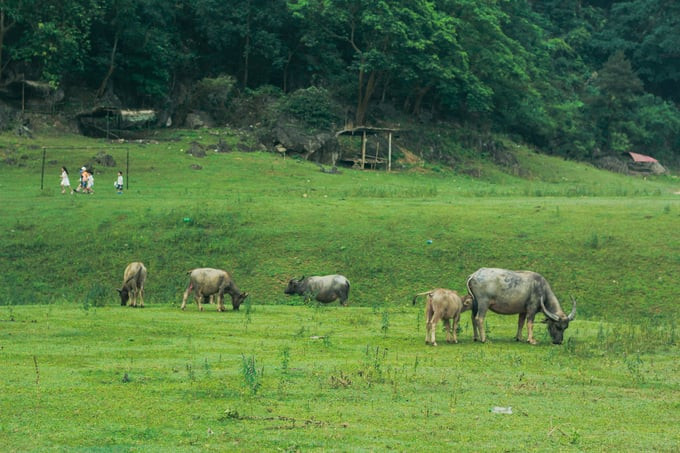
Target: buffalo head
237 300
294 286
558 324
124 296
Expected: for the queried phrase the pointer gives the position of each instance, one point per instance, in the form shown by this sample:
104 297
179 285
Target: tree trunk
365 94
4 29
112 67
420 94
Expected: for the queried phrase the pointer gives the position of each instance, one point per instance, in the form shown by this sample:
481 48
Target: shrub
212 95
312 105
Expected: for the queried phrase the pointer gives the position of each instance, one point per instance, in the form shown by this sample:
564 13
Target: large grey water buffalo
443 304
516 292
207 282
133 284
325 288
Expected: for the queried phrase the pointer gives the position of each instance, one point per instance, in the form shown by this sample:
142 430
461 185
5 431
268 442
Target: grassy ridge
267 219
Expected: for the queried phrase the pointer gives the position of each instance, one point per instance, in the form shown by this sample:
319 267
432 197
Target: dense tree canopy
575 77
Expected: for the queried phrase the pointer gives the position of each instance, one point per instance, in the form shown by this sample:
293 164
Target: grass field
326 378
77 371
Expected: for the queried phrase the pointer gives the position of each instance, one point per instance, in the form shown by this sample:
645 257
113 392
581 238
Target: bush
212 95
312 105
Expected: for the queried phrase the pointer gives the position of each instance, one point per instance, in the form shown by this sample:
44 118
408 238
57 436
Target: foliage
570 78
313 105
213 95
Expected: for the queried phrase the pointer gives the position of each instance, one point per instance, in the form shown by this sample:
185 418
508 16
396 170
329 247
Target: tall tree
243 38
648 31
613 105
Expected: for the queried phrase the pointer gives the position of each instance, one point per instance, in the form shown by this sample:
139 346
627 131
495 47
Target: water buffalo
133 284
516 292
208 282
324 289
446 305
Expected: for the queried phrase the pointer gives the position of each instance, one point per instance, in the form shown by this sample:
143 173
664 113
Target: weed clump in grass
252 378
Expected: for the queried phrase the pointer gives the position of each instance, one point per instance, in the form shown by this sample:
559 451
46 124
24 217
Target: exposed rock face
626 166
197 150
650 168
293 138
198 119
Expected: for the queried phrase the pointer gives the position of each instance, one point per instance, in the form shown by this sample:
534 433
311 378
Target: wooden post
42 173
23 96
127 171
363 149
377 154
389 152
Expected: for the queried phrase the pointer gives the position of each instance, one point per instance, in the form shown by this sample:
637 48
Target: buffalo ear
120 291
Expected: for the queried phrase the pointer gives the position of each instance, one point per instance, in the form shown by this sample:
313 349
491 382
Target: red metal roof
641 158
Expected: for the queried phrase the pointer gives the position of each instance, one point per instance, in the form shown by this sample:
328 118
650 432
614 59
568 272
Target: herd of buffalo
502 291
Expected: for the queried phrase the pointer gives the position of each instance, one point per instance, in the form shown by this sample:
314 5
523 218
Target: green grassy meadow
77 371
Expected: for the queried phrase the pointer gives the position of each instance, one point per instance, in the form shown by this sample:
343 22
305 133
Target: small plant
251 376
206 367
593 242
247 319
634 365
190 372
285 359
385 324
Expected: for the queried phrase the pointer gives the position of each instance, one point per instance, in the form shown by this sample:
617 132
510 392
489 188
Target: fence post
127 171
42 172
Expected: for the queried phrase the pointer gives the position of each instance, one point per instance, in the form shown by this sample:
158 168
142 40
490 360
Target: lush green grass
326 378
267 219
77 370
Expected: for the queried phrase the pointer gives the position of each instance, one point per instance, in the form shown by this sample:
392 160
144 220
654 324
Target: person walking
119 183
84 174
89 187
65 182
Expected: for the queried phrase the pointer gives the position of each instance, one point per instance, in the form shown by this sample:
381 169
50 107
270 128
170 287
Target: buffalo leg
141 296
186 295
456 319
520 326
220 301
478 324
530 331
447 328
430 326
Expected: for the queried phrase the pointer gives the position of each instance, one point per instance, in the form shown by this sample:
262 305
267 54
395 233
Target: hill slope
606 239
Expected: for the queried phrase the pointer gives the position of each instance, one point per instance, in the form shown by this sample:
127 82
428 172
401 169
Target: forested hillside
578 78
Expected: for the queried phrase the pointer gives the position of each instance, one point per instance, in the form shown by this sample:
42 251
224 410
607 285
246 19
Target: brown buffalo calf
443 304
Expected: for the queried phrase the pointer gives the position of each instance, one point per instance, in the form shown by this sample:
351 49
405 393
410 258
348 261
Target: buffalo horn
548 313
572 315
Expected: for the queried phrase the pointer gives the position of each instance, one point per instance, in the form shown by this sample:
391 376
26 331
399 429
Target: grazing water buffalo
516 292
446 305
324 289
133 284
208 282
